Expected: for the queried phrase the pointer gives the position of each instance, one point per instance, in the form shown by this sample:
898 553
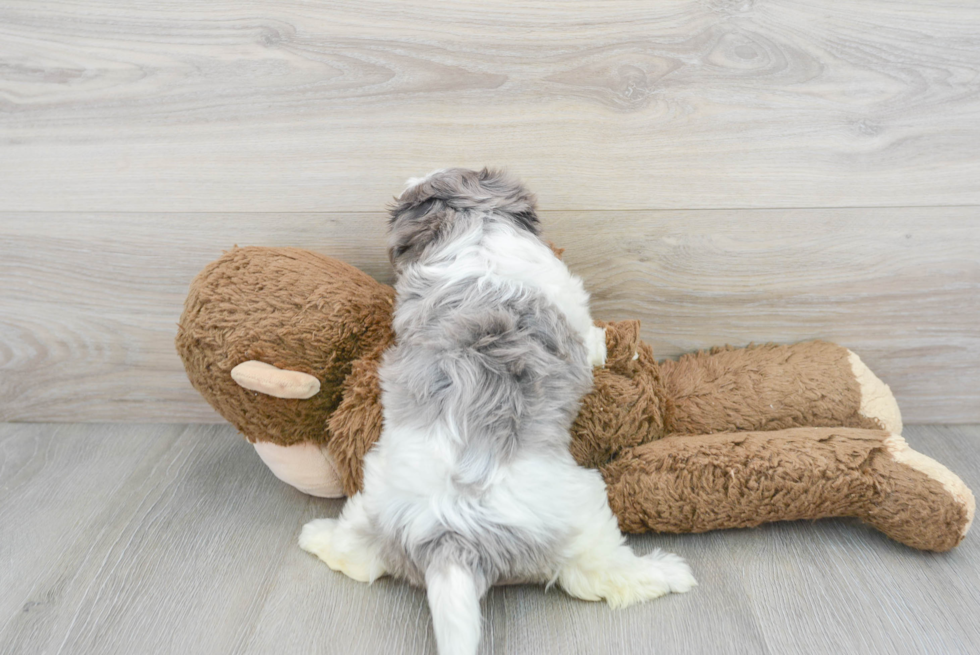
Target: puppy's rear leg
602 567
345 544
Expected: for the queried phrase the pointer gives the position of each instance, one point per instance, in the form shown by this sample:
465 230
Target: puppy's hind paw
316 537
675 570
653 576
341 549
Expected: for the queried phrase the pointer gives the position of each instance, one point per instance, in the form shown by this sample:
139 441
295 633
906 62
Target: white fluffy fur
408 476
454 599
504 257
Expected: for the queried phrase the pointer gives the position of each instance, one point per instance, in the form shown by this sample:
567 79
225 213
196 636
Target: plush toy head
235 312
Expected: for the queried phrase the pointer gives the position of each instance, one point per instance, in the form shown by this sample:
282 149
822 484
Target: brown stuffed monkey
285 344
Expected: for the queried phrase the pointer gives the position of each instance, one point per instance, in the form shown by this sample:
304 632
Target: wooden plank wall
725 171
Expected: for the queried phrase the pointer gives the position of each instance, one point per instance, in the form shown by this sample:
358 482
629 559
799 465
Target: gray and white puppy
471 482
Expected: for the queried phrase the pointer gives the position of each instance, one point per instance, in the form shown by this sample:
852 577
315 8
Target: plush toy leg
729 480
773 387
305 465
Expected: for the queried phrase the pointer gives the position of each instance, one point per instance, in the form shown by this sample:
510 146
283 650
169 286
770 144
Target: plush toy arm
730 480
267 379
772 387
355 425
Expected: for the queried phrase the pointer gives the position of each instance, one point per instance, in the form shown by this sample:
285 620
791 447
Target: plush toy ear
272 381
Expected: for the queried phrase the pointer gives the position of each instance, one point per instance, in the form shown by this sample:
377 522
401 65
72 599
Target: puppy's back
480 391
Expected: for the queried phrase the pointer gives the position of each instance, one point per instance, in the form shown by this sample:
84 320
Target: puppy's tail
454 600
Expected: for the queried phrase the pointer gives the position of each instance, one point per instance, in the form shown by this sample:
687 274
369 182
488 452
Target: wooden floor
176 539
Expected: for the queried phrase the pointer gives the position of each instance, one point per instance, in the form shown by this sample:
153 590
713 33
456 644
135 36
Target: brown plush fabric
288 307
767 387
744 479
628 401
356 424
646 425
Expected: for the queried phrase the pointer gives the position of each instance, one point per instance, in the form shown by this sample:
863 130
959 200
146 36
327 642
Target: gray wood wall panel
669 143
300 106
89 302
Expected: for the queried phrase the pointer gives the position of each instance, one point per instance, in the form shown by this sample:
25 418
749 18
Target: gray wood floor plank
175 539
60 499
155 568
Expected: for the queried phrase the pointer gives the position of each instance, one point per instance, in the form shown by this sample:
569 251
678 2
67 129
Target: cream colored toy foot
877 400
962 506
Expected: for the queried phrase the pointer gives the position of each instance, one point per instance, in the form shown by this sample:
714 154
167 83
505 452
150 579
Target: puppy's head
424 214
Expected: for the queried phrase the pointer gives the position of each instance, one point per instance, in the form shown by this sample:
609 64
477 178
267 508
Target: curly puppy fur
472 482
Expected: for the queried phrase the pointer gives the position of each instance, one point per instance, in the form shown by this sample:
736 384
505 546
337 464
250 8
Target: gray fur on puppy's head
426 211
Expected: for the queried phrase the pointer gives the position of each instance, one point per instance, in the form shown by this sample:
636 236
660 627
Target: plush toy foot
306 466
743 479
926 505
877 401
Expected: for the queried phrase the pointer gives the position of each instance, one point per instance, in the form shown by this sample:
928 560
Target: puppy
471 482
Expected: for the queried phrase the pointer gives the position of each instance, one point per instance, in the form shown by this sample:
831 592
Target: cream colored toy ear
267 379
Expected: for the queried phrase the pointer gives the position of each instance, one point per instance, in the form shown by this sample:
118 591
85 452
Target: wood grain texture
900 288
89 302
299 106
120 539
